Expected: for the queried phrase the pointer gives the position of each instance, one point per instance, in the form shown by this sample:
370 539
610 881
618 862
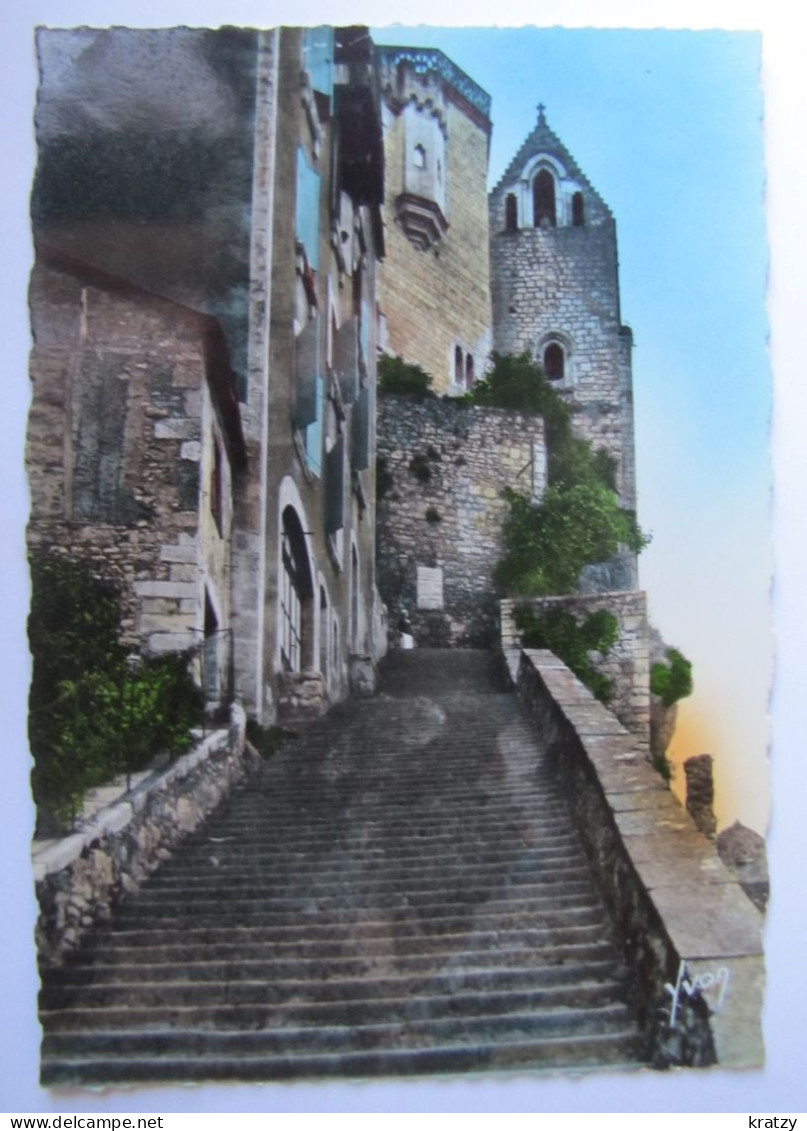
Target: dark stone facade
444 511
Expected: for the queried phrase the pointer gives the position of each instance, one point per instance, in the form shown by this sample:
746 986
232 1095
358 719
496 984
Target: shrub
546 545
398 377
672 681
558 630
94 712
433 516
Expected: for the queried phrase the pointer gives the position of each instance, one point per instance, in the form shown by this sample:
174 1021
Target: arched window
419 157
469 371
578 210
296 593
458 365
554 361
543 200
511 213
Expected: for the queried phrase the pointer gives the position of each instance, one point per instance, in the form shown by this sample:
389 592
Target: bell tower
555 295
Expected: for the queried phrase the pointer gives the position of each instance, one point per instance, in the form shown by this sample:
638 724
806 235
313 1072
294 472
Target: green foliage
398 377
433 516
547 544
94 712
558 630
578 521
672 681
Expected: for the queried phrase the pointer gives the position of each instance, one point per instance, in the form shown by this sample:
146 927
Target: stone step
539 862
419 872
161 968
620 1048
550 945
496 842
305 921
501 989
211 883
244 1043
559 890
547 1012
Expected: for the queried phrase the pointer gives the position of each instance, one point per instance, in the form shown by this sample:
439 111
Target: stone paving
399 891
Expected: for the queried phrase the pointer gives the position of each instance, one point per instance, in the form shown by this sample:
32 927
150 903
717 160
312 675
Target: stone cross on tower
541 115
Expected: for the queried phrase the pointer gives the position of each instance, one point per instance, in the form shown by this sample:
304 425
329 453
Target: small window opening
210 654
511 213
354 599
215 487
543 199
469 371
578 210
458 365
323 632
554 362
419 157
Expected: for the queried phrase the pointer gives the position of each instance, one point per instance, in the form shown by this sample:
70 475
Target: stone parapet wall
627 664
691 937
81 877
444 511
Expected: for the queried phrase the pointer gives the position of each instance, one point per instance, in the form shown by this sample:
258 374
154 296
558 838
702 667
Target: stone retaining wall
690 936
80 878
440 523
627 664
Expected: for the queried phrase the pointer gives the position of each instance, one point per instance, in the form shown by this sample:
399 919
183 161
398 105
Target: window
458 365
354 599
578 210
419 157
554 362
296 596
543 198
469 371
511 213
323 632
215 487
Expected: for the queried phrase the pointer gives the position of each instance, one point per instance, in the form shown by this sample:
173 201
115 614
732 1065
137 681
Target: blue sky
667 125
708 525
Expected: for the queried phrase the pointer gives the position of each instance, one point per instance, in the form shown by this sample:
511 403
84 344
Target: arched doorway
296 596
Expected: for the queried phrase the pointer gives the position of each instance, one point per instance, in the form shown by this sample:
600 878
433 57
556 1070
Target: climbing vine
94 711
578 521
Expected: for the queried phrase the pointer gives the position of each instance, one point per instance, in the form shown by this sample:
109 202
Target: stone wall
690 936
626 665
564 281
440 523
80 878
122 433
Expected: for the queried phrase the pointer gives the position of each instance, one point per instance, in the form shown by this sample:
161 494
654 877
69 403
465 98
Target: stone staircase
399 891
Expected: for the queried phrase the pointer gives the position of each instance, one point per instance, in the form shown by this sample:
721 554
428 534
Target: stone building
434 283
134 447
313 366
207 223
555 296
